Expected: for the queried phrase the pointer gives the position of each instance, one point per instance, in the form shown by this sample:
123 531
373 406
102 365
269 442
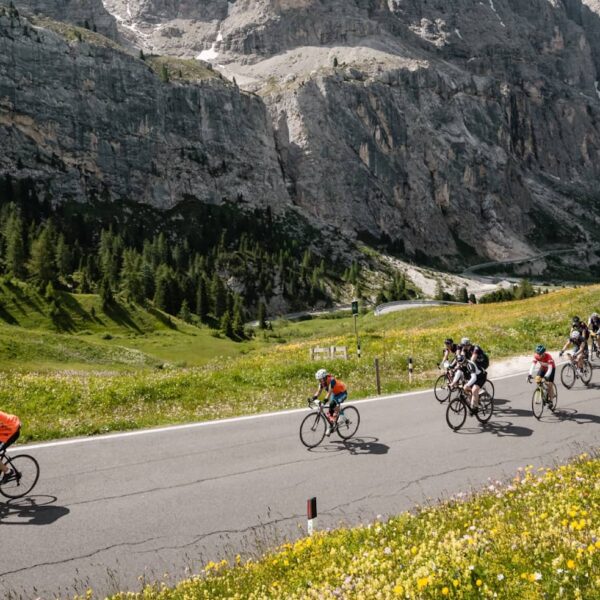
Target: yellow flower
398 590
479 583
445 591
422 583
571 563
413 550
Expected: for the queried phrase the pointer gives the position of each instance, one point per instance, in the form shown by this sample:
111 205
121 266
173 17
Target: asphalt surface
111 512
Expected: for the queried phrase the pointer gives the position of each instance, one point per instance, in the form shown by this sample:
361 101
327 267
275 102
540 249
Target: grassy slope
265 374
537 537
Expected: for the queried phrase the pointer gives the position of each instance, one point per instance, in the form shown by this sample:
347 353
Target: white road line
112 436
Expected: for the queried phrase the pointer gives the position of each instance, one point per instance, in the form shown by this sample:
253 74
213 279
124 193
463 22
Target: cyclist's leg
470 388
337 400
550 388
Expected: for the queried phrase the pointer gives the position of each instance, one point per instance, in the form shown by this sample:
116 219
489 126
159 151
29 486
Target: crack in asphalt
72 558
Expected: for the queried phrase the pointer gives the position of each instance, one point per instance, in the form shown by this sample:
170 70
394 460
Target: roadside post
311 514
355 315
410 369
377 379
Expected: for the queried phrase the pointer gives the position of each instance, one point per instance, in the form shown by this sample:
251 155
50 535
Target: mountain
447 132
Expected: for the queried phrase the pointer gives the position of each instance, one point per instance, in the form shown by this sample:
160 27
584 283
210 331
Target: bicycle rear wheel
312 429
27 473
537 402
586 372
441 389
348 422
486 407
567 375
456 414
488 386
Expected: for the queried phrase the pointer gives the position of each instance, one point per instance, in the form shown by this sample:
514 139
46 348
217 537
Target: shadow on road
499 428
33 510
571 414
363 445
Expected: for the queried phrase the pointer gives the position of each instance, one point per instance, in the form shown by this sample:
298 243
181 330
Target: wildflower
570 564
398 590
500 576
445 591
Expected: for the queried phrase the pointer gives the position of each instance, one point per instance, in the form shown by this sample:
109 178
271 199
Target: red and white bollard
311 514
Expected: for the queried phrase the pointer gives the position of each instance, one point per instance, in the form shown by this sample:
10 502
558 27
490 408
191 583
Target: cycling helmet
575 321
321 374
448 341
465 341
594 315
540 349
460 358
575 335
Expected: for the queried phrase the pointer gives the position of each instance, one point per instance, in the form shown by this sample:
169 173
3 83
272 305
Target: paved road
110 509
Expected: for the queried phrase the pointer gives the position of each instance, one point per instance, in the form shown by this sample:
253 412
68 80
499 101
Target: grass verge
536 537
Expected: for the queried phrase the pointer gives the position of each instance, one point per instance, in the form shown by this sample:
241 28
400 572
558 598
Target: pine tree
238 320
161 293
226 324
42 265
439 291
462 295
184 312
132 284
202 303
64 257
472 298
219 296
262 315
15 247
106 294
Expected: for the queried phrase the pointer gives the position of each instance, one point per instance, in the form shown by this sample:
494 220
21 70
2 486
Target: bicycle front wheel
312 429
567 375
348 422
586 372
537 402
27 473
441 389
456 414
486 407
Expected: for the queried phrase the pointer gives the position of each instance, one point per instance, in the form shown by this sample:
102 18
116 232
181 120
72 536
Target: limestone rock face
84 120
445 130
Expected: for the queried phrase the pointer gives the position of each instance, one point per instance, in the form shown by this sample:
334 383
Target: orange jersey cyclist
335 393
10 429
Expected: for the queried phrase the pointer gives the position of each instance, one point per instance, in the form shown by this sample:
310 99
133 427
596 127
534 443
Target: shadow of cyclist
33 510
571 414
362 445
499 428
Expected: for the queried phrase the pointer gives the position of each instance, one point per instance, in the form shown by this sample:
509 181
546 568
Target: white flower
537 576
500 576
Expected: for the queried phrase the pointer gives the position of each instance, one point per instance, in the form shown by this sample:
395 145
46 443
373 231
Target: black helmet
449 341
575 320
540 349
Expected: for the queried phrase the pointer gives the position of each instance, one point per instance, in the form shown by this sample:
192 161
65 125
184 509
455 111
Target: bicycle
441 387
541 396
27 473
456 413
570 372
314 425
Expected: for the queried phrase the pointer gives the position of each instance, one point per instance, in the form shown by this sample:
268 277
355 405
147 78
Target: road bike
441 387
595 347
460 406
26 473
314 425
571 372
541 396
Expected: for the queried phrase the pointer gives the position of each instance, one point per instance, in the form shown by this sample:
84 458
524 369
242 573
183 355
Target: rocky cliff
443 130
81 119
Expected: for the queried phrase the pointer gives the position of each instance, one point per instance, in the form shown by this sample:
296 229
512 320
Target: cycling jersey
9 425
544 363
477 375
583 330
336 386
594 324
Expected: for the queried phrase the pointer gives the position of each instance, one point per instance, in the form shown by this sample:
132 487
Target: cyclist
579 325
460 370
544 364
594 326
335 393
579 346
10 429
449 348
477 364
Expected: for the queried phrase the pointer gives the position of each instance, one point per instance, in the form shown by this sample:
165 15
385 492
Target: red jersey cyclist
10 429
335 393
544 366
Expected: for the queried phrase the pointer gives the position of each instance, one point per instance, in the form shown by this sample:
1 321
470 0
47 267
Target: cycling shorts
337 399
542 373
11 440
478 380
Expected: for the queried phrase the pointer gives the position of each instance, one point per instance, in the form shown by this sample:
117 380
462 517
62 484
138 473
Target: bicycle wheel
586 372
537 402
348 422
552 404
486 407
488 386
28 472
456 414
312 429
567 375
441 389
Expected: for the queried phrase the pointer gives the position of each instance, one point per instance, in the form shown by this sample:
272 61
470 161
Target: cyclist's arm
533 366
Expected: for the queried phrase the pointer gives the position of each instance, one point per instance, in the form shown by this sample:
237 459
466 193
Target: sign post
311 514
355 315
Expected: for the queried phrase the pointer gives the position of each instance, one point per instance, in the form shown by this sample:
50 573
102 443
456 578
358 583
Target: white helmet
575 335
465 341
594 315
321 374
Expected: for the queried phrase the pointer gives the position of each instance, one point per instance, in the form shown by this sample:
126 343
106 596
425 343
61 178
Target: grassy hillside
537 537
112 384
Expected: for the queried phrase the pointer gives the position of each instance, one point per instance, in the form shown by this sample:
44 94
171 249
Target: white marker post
311 514
410 369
